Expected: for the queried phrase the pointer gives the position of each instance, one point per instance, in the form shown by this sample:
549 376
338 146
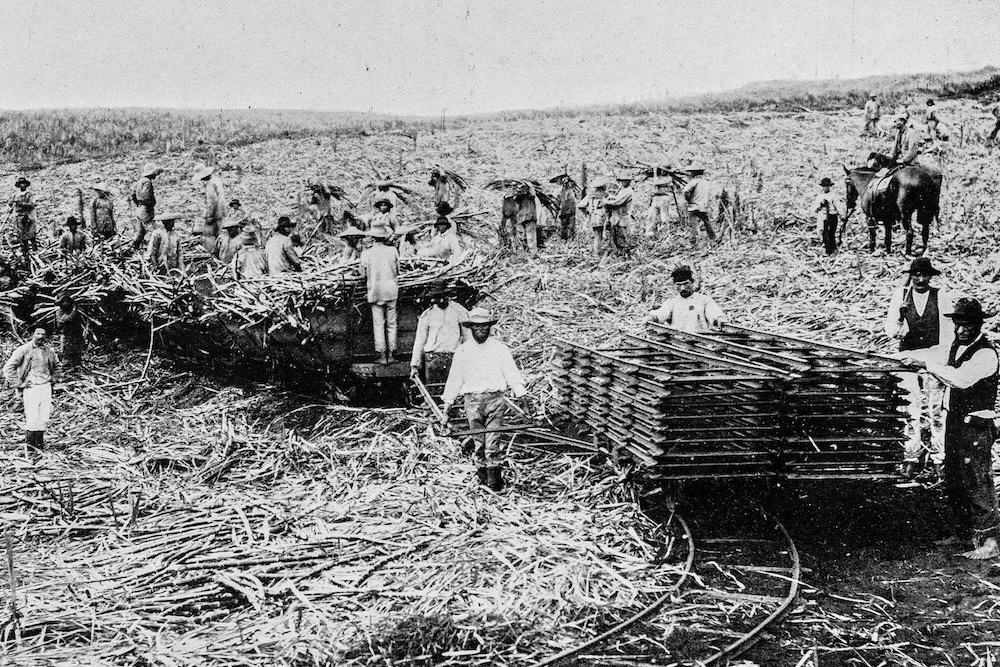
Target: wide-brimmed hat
695 169
383 200
351 230
826 182
202 171
682 274
479 316
921 266
601 182
558 177
20 180
968 310
234 203
872 96
284 221
384 183
661 182
444 208
624 177
442 222
229 223
379 232
150 169
71 220
169 216
101 187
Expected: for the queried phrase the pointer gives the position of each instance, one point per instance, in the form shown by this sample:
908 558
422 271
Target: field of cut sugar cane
178 518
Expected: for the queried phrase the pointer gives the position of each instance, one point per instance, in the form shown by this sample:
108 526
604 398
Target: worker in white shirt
696 194
444 244
917 318
439 332
619 207
828 213
690 310
482 371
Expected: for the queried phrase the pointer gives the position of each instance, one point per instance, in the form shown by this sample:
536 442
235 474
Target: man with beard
970 400
482 371
690 310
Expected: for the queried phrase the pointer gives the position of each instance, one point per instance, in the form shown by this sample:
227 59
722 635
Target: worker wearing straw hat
689 310
658 216
444 244
32 370
872 114
164 253
22 207
351 236
383 217
828 213
102 212
250 260
72 241
144 199
696 194
593 206
280 251
439 332
380 269
971 376
619 206
383 190
229 242
481 372
215 204
917 318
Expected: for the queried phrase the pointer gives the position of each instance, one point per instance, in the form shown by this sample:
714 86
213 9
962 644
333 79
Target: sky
431 57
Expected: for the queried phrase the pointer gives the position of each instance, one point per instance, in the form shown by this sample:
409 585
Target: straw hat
350 231
601 182
202 171
442 222
968 310
826 182
22 179
479 316
384 183
229 223
561 175
235 203
150 169
379 233
403 230
695 169
383 200
101 187
284 222
169 216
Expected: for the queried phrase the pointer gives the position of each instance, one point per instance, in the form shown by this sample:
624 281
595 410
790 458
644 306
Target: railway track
733 588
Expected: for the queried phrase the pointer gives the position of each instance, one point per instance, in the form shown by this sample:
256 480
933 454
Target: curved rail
730 652
656 604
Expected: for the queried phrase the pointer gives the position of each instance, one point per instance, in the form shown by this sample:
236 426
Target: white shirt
696 314
440 330
982 365
895 328
380 266
479 368
445 246
825 204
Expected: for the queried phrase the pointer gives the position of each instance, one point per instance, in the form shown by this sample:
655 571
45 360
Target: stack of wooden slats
736 403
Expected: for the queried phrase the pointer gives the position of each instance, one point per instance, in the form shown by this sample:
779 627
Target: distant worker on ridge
873 112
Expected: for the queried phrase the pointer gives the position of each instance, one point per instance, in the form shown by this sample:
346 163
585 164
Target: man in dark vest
971 377
917 319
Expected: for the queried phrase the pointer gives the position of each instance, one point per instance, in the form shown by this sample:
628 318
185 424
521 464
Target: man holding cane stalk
482 371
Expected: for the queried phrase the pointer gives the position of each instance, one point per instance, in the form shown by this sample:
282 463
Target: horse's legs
925 217
871 234
888 236
906 217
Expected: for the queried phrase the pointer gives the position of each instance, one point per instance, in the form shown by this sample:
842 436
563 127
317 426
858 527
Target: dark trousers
830 233
968 474
700 219
436 366
567 226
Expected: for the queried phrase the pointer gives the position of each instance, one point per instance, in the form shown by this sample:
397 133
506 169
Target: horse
911 189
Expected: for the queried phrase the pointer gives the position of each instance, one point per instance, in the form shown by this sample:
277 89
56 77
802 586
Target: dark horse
911 189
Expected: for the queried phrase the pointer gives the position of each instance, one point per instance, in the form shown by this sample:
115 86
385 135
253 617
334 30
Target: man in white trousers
32 370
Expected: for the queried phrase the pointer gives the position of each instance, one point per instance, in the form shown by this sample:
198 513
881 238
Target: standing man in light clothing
444 244
144 200
380 268
697 196
32 370
619 206
482 371
658 215
872 114
215 205
690 310
440 331
917 318
279 250
597 214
